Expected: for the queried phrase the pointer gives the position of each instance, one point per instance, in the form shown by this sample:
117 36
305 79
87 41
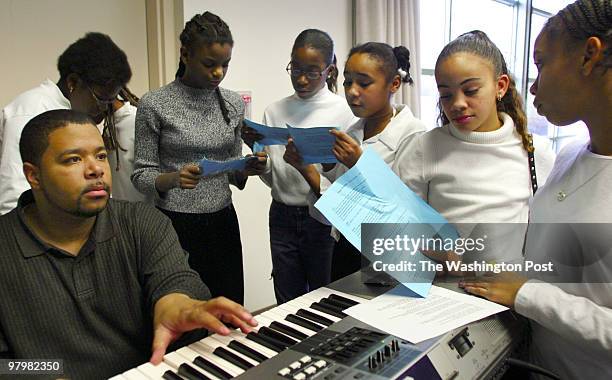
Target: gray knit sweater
176 125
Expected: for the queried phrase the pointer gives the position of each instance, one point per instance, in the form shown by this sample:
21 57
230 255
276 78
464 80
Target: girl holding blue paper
374 72
301 245
178 125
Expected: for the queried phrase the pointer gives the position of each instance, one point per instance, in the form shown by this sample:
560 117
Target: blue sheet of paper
211 167
314 144
271 135
371 193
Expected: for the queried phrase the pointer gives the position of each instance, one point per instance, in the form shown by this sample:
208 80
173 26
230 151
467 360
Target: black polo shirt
93 310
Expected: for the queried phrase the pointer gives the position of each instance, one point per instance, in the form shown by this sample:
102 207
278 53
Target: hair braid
224 110
583 19
128 96
206 28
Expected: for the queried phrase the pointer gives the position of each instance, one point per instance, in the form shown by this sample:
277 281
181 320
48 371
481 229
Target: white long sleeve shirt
323 109
477 177
572 329
125 124
47 96
388 144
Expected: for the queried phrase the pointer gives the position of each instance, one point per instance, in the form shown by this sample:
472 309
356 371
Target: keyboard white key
118 377
155 371
134 374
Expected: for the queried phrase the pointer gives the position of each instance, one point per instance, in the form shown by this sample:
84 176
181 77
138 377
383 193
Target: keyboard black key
267 336
211 367
314 317
236 360
288 330
169 375
265 341
333 304
343 299
305 323
339 304
247 351
276 335
191 373
331 310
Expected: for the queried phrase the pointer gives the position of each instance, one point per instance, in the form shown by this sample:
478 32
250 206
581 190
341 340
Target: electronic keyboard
311 337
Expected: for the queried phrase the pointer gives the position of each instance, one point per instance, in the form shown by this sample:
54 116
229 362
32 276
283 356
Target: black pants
215 250
346 259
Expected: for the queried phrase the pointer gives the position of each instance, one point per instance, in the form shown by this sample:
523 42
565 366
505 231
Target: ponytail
332 76
393 61
402 55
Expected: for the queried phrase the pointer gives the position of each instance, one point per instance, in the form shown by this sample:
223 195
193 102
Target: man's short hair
35 135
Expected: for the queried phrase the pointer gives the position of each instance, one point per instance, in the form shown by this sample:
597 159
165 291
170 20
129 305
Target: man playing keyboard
95 282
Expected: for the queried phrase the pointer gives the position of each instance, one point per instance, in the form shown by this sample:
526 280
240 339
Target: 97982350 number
31 366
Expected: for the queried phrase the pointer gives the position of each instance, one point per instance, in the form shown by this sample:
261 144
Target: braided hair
125 95
583 19
478 43
206 28
322 42
393 61
97 60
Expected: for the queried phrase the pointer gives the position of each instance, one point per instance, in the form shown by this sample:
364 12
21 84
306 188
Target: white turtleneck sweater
323 109
476 177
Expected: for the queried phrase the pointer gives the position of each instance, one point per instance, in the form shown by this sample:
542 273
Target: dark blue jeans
301 251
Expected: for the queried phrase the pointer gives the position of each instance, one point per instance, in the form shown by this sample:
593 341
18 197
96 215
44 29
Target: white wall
34 33
264 31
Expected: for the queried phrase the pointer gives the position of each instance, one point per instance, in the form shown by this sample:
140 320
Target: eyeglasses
312 75
102 103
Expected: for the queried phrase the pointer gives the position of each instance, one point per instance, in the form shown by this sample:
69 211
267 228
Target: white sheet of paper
418 319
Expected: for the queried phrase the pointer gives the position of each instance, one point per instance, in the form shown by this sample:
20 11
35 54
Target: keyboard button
284 372
306 359
295 365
